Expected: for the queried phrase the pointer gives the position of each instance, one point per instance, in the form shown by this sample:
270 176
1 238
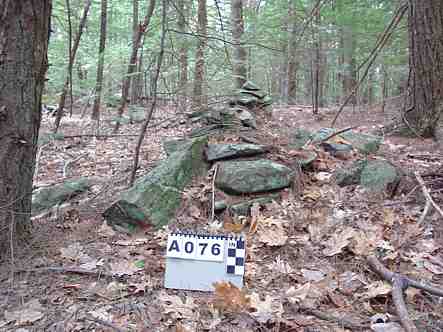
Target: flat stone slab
154 198
47 197
216 152
253 176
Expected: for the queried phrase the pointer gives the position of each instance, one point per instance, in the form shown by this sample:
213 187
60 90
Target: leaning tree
426 65
24 34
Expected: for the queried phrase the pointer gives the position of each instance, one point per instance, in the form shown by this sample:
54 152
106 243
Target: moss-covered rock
47 197
252 176
154 198
216 152
378 175
349 175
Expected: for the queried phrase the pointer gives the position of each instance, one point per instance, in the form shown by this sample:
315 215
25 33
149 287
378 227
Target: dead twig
213 193
342 322
341 131
400 283
429 200
74 270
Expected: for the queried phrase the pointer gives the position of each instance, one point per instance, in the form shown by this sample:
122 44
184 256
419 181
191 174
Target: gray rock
364 143
349 175
47 197
378 175
255 93
173 145
154 199
216 152
248 85
219 206
252 176
299 138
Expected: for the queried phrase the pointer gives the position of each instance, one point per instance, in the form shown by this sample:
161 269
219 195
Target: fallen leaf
296 295
338 241
229 297
123 267
280 266
265 310
173 305
272 233
312 275
29 313
377 288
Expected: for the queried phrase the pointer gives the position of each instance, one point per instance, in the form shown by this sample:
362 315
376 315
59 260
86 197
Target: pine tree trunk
24 38
101 62
426 65
239 58
291 73
199 96
62 100
134 78
349 75
133 62
183 9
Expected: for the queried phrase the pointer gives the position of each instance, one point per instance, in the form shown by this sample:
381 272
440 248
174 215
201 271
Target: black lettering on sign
189 247
174 246
215 249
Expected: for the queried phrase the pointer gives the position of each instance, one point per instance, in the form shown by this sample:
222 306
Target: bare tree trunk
292 54
239 59
183 13
134 79
101 62
73 53
350 75
426 65
199 96
316 71
24 38
133 63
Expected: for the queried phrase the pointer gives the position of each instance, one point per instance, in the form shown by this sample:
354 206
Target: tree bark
292 54
239 59
426 65
101 63
183 13
24 34
199 96
134 79
73 52
133 63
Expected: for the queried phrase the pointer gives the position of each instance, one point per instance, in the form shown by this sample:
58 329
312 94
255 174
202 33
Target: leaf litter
304 251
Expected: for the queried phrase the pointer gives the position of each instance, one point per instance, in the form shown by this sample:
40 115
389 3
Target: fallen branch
429 200
213 193
399 284
74 270
342 322
337 133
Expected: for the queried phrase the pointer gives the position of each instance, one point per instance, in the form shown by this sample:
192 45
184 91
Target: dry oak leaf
377 288
124 267
266 309
173 304
272 233
229 297
29 313
338 241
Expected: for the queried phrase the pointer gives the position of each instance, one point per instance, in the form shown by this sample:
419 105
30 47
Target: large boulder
216 152
47 197
375 175
154 199
364 143
379 175
252 176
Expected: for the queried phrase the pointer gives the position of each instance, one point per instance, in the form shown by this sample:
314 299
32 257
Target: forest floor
313 275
